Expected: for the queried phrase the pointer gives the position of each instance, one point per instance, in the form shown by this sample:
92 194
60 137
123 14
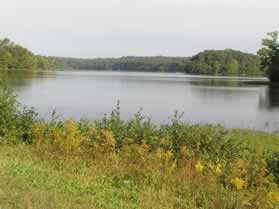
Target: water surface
233 102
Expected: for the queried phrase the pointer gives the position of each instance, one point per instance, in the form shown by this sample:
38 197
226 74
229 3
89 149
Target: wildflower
199 167
218 169
239 183
159 153
273 196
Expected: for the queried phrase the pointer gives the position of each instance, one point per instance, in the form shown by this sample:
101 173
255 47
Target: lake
232 102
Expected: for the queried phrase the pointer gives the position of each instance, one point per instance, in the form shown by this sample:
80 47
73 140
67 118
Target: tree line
16 57
130 63
210 62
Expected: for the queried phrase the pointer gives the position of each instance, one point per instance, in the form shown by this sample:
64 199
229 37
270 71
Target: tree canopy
224 62
13 56
269 55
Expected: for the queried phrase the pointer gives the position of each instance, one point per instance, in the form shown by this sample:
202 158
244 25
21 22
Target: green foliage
224 62
269 55
15 57
15 121
141 64
273 165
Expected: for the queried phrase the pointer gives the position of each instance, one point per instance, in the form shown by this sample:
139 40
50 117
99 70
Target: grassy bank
112 163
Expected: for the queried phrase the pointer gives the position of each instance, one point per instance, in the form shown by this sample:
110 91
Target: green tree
13 56
269 55
231 67
224 62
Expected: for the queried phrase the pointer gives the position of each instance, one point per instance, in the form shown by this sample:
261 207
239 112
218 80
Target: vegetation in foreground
111 163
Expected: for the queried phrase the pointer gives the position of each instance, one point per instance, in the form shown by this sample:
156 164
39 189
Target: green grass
263 142
27 183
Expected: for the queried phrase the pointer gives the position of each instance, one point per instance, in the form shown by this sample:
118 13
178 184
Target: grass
262 142
47 177
29 183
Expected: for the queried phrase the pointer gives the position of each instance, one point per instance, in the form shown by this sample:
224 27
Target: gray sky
113 28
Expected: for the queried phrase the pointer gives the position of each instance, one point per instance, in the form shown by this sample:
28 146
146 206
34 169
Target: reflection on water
233 102
269 98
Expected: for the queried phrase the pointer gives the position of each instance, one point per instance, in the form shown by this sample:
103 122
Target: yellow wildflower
273 196
199 166
239 183
218 169
159 153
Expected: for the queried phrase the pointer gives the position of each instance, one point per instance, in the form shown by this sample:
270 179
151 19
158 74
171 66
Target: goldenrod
238 183
199 166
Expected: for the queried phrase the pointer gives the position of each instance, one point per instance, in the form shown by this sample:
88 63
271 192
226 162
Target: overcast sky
114 28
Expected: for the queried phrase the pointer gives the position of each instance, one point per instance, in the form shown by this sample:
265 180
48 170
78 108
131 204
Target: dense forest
211 62
224 62
142 64
13 56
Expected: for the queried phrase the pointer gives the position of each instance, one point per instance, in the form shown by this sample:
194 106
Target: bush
15 121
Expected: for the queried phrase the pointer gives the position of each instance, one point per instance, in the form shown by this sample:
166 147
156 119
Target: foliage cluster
15 57
15 121
269 55
224 62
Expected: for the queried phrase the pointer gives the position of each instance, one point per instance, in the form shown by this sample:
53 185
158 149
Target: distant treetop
224 62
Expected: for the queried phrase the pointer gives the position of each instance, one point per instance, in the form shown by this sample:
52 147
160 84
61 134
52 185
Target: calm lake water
233 102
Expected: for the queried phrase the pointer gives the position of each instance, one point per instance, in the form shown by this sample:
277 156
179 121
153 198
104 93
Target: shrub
15 121
62 138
